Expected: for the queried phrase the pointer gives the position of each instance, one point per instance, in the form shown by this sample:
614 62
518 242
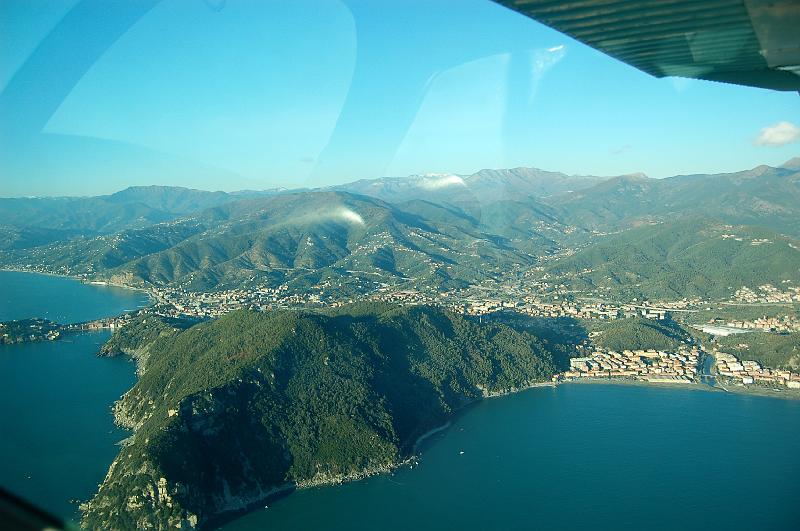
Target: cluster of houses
177 302
25 330
767 294
782 323
660 366
564 308
409 296
751 372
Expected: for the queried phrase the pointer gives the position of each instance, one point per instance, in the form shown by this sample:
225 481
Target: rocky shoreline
237 506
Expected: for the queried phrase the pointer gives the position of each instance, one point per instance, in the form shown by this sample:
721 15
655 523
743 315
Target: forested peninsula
228 411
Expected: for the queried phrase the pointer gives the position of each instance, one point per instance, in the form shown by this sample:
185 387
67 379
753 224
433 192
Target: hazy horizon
309 188
313 94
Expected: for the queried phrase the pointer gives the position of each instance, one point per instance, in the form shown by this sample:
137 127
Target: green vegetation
291 238
101 253
139 334
25 330
636 333
32 221
231 408
765 197
683 259
411 237
776 351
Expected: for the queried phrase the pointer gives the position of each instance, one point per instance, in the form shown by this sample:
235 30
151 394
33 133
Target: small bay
58 435
61 299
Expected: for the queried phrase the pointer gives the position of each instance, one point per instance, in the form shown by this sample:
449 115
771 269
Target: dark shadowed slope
228 410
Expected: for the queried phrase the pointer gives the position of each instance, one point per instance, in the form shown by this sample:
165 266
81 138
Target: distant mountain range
31 221
764 196
483 187
432 230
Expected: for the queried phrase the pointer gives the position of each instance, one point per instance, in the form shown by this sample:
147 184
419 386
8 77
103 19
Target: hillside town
768 294
30 330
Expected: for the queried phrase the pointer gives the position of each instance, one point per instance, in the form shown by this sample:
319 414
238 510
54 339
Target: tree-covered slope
138 335
763 196
636 333
292 237
230 409
102 253
32 221
683 259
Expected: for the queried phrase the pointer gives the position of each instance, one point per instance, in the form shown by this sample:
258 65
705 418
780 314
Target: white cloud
779 134
435 182
341 213
349 215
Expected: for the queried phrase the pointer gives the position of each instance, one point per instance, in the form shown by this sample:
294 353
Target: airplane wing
746 42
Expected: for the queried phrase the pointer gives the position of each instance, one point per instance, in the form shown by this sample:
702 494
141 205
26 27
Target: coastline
495 394
236 508
83 281
286 489
244 506
754 391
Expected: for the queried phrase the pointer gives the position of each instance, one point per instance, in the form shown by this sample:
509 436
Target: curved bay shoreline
786 394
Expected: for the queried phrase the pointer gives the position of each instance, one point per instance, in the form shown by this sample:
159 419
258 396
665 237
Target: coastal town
655 366
37 329
747 372
526 291
520 296
682 366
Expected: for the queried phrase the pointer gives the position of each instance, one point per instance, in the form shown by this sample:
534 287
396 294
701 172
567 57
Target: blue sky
216 94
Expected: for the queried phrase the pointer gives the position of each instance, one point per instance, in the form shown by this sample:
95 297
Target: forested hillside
763 196
32 221
298 237
781 351
230 409
636 333
682 259
631 235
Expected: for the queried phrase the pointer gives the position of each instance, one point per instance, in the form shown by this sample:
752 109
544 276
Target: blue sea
580 456
57 434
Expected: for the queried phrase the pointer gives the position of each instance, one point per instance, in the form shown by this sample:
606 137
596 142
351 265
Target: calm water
64 300
57 435
580 457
